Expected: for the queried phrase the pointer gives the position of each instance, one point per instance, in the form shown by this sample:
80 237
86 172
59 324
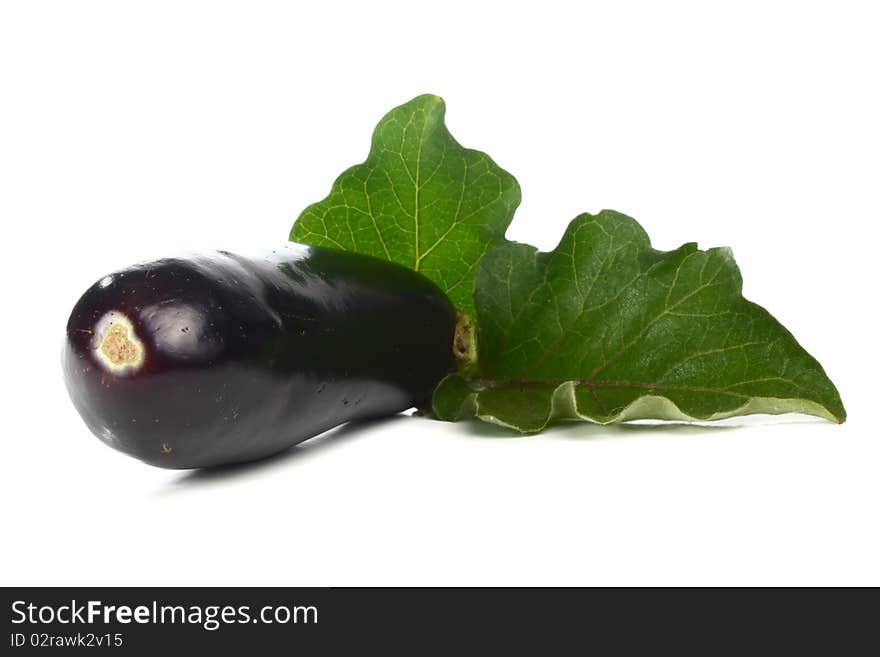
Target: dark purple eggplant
216 358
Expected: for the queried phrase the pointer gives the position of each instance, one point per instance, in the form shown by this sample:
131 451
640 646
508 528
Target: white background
129 131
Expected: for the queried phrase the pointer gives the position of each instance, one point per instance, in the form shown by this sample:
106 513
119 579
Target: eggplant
215 358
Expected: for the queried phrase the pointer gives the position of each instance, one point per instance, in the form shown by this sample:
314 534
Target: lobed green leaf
420 199
605 328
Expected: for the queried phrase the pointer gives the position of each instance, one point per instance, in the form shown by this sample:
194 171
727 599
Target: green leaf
420 199
605 328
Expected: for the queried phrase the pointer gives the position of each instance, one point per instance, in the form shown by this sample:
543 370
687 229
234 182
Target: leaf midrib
489 384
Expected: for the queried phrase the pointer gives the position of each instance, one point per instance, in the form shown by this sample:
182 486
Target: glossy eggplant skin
230 358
